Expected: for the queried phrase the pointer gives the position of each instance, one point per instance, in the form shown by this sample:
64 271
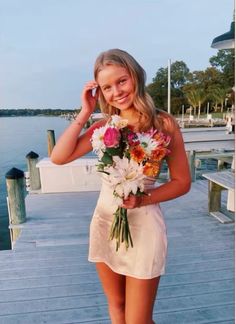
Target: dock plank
48 279
94 300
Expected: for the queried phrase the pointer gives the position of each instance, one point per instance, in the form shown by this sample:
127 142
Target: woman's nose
117 91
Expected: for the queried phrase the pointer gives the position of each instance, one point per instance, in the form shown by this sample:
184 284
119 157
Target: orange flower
137 153
159 153
162 139
151 169
158 136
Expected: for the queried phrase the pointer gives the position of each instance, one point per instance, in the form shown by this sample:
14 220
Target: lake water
19 136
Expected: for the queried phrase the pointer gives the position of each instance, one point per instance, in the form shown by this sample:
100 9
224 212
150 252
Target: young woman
130 277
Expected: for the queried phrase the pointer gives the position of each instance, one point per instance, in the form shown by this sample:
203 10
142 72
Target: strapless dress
147 258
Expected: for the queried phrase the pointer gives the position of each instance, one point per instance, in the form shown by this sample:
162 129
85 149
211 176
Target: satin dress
147 258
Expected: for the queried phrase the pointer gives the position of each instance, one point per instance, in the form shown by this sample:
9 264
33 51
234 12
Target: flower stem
120 229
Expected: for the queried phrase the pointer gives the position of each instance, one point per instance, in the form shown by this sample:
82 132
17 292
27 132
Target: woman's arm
180 178
70 145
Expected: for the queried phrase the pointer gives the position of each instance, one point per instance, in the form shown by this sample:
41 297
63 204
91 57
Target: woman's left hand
132 202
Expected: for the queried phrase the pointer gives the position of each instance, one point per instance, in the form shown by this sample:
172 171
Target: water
19 136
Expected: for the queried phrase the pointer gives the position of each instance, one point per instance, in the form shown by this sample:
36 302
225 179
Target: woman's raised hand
89 97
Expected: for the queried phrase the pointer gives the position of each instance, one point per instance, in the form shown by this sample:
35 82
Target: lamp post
168 101
226 40
182 116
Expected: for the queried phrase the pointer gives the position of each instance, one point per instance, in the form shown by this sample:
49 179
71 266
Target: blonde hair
143 103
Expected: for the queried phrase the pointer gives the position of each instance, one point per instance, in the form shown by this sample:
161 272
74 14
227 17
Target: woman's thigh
113 284
140 299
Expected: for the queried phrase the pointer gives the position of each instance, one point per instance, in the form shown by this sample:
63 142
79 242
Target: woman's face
117 86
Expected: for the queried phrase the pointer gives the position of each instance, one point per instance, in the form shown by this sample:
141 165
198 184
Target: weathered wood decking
47 278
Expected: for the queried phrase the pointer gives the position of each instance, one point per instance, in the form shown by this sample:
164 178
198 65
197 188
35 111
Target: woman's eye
122 81
106 88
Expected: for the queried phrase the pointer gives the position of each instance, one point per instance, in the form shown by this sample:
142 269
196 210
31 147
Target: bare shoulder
169 123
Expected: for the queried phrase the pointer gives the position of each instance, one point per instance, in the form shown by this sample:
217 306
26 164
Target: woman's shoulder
168 122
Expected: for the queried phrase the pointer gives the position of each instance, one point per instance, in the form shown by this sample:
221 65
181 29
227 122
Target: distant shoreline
35 112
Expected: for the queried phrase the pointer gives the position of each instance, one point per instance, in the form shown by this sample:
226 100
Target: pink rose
111 137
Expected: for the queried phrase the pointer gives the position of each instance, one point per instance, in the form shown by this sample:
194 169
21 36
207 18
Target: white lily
126 176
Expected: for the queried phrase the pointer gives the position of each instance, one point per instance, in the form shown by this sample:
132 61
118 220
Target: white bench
218 181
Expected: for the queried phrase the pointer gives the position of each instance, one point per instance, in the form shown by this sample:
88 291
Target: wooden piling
16 201
214 197
32 160
51 140
191 161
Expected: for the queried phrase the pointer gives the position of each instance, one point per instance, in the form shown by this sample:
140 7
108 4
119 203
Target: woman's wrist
81 119
145 199
79 122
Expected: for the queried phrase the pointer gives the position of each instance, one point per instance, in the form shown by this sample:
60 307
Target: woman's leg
140 299
114 288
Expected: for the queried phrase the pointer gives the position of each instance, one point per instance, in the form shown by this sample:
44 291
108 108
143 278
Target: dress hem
126 274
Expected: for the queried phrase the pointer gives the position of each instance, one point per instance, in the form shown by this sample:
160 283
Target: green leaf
106 159
113 151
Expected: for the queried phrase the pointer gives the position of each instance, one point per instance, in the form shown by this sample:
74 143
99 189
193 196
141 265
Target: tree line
197 89
34 112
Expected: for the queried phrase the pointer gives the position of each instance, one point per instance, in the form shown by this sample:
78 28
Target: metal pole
169 68
208 106
182 116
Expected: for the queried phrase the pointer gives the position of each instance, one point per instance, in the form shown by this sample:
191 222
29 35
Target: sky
48 47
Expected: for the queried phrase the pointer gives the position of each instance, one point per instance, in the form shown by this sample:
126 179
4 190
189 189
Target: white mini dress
147 258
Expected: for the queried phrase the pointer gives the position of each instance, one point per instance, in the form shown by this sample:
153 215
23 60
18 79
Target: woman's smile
122 100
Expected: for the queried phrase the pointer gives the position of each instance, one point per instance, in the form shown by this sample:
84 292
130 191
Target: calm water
19 136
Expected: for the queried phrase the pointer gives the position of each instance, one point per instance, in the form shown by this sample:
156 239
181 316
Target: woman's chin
123 107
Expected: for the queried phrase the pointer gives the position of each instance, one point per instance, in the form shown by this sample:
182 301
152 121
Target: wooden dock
47 278
205 139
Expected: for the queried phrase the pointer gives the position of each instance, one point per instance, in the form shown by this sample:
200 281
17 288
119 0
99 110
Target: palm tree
201 97
218 94
190 95
195 98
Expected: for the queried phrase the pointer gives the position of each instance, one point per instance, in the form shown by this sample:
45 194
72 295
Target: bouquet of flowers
127 158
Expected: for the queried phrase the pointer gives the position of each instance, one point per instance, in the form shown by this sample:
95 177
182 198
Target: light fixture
226 40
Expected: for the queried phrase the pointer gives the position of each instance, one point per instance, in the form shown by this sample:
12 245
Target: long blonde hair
143 103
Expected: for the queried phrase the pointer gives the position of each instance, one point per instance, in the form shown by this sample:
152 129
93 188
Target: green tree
200 85
219 95
206 79
158 89
195 97
223 61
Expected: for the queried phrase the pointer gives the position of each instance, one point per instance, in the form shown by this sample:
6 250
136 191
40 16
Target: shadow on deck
47 278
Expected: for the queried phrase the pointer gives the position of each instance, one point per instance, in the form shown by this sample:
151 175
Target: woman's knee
116 304
117 311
